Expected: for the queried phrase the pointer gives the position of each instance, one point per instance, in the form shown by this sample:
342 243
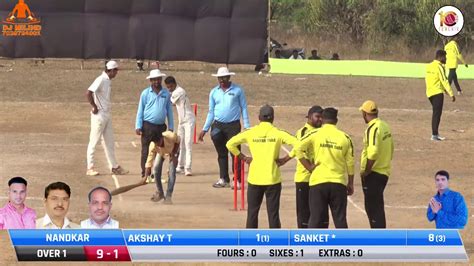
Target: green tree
380 25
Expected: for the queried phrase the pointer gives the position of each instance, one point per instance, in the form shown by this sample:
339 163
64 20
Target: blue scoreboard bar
307 245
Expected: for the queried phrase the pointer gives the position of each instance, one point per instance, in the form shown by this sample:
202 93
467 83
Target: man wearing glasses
100 203
56 203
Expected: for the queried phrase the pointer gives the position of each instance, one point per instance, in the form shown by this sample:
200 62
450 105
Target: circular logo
448 21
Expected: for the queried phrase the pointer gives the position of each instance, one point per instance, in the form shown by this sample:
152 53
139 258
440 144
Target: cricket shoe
119 171
238 186
92 172
437 138
221 183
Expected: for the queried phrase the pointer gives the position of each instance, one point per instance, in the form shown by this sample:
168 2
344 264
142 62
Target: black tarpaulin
218 31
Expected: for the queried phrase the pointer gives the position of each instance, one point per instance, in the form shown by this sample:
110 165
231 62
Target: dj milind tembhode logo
21 22
448 21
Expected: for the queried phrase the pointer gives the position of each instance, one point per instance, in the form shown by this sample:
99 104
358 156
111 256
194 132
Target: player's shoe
188 172
180 170
221 183
150 179
459 93
232 185
437 138
157 197
168 201
119 171
92 172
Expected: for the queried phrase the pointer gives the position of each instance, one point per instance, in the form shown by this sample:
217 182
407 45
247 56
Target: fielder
302 175
328 184
98 95
186 123
264 177
436 85
375 163
453 55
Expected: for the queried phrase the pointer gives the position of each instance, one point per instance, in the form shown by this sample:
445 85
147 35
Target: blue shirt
226 106
155 108
453 212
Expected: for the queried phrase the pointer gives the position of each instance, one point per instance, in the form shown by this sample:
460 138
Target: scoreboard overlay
235 245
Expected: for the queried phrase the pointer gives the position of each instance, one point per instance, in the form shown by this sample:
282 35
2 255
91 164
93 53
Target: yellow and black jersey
378 146
264 142
333 154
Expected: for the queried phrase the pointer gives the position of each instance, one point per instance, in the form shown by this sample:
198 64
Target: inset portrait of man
100 204
447 208
15 214
56 204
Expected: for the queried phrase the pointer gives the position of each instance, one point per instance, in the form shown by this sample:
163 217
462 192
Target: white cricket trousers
101 128
185 133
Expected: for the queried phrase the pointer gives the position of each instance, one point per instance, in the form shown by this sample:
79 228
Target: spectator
295 56
314 55
278 54
140 65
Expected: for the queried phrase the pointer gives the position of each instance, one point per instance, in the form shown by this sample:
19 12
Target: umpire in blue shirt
447 208
153 110
227 103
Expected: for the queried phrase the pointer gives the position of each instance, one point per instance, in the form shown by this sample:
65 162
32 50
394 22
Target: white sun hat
156 73
111 65
222 72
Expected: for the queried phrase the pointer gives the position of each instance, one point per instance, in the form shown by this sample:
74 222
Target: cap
330 113
369 107
111 65
266 111
314 109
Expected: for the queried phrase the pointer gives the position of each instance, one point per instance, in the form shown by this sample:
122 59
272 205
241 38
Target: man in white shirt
98 95
187 122
56 203
100 203
295 56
